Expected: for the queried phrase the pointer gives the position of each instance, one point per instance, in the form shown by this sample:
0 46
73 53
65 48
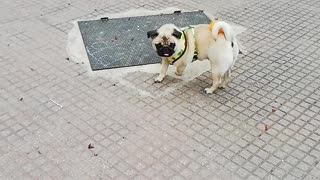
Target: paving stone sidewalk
265 125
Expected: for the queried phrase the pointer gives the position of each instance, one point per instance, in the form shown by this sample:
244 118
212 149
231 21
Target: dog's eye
158 45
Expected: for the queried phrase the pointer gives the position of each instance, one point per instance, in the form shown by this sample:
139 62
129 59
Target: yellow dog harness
173 59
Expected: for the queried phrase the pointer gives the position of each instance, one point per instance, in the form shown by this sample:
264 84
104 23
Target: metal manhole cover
122 42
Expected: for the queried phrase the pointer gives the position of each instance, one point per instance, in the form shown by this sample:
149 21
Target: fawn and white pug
215 42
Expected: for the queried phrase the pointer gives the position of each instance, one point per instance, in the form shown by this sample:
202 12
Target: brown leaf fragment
90 146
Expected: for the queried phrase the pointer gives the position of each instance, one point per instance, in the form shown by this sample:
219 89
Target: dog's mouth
165 51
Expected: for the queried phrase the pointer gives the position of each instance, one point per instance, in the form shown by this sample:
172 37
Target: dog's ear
177 34
152 34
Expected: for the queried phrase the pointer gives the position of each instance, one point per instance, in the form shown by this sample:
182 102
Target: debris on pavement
266 128
90 146
56 103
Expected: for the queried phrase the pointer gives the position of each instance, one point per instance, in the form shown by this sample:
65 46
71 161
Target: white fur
226 29
166 29
222 55
222 51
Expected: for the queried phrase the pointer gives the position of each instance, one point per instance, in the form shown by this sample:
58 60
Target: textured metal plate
123 42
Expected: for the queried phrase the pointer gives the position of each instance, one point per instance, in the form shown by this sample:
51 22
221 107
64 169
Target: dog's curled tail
220 27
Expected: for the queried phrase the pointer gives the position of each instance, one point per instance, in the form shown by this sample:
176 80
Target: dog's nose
165 51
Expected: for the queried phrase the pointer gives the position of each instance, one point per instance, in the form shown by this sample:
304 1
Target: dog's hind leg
228 76
224 80
216 77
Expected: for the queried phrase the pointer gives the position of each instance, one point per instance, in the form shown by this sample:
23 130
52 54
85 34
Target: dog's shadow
144 81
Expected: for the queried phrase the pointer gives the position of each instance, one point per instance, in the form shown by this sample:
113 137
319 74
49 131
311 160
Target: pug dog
180 46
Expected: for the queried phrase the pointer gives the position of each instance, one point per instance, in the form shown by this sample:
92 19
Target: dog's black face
165 50
165 43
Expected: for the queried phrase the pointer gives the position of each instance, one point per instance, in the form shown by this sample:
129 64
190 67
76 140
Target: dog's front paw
209 90
158 79
178 74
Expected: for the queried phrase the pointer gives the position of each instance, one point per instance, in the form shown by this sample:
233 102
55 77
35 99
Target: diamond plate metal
123 42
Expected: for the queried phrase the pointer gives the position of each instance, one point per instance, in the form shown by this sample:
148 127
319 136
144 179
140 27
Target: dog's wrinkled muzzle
165 51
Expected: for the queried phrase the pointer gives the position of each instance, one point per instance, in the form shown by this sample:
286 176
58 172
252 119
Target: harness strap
172 60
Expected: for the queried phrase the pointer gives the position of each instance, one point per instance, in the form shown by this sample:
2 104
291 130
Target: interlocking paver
51 109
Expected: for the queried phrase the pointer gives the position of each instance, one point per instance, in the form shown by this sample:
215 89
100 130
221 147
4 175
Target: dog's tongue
166 55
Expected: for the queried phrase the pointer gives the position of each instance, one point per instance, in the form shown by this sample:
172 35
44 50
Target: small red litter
266 127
